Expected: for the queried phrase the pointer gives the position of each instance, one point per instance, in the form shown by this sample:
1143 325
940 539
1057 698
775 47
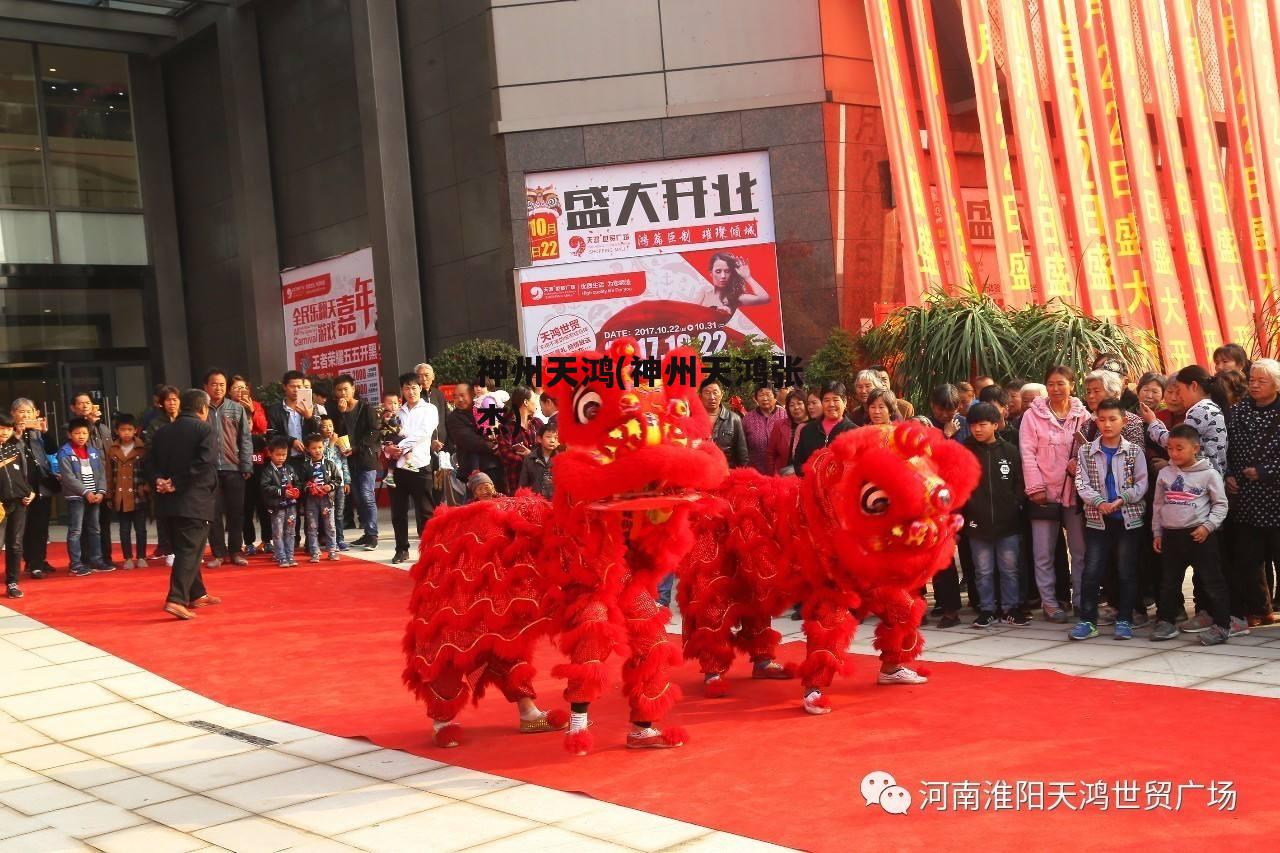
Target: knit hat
476 480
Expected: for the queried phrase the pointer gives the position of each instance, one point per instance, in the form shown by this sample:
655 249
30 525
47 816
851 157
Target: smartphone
306 398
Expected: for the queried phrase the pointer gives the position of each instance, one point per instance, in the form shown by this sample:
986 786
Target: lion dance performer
871 521
496 577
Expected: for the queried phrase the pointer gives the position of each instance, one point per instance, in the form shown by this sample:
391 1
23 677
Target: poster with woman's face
707 299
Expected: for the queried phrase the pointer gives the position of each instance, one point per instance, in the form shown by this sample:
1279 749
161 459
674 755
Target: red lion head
633 443
890 497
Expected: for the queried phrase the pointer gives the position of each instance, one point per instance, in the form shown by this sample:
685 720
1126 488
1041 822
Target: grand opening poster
330 320
673 253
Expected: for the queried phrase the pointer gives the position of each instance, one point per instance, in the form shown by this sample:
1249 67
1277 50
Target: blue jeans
339 505
664 589
363 482
988 555
321 535
1100 546
82 523
284 524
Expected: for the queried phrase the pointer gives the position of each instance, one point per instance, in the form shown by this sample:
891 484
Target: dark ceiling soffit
88 17
76 37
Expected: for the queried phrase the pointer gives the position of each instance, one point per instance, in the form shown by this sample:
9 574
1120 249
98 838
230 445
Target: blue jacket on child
71 475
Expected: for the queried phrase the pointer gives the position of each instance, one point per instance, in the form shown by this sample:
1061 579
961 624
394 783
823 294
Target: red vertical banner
902 135
1075 152
1254 23
1011 253
1181 345
941 155
1256 234
1112 165
1035 159
1197 293
1223 254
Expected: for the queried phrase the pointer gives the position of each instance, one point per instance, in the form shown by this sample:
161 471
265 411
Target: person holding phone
517 437
32 430
293 417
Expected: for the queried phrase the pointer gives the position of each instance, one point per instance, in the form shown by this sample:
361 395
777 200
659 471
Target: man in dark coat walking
183 460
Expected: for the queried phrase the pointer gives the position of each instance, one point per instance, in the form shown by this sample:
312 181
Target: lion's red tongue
640 502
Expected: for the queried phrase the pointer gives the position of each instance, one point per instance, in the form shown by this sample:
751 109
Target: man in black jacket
357 420
35 538
475 452
291 418
183 461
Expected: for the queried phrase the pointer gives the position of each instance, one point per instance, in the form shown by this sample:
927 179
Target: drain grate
231 733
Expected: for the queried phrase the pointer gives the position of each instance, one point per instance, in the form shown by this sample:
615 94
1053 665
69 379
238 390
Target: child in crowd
343 488
1112 483
320 479
16 494
128 489
480 487
83 474
280 493
389 433
1189 507
535 471
993 516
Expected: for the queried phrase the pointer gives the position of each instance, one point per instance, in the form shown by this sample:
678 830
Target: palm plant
952 337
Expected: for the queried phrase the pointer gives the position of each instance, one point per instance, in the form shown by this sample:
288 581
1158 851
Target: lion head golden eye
680 408
874 500
586 404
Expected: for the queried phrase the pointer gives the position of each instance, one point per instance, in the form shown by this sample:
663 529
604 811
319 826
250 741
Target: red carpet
319 646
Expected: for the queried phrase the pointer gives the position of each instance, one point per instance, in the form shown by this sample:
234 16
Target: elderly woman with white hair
1253 483
863 384
1102 385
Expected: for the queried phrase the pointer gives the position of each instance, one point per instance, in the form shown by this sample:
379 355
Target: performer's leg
515 680
898 637
706 621
828 629
592 632
446 695
645 674
759 641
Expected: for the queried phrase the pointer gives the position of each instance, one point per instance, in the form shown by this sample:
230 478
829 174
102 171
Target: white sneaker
168 561
901 675
815 703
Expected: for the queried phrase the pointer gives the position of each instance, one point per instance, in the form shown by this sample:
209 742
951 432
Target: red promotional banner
1181 344
902 135
1244 163
1112 165
1254 25
1011 255
1035 159
940 154
1075 153
1230 294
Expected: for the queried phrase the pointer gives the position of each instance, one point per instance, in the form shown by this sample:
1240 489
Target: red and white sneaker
652 738
816 703
901 675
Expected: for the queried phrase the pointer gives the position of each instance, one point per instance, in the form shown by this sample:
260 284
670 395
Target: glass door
115 386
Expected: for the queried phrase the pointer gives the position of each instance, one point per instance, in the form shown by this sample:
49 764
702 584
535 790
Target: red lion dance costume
871 521
496 577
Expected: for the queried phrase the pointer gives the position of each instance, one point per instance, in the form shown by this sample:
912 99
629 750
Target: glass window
92 158
52 318
21 168
24 237
102 238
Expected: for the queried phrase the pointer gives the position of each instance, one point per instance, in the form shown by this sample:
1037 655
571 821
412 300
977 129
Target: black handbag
1044 512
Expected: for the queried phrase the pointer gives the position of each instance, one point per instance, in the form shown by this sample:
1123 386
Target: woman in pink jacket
1050 435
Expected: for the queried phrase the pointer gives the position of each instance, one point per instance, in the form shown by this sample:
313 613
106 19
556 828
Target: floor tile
97 668
286 789
634 828
1023 663
150 838
253 835
16 736
279 732
16 823
44 841
1243 688
139 737
1000 647
549 839
44 797
1192 663
327 747
191 813
458 782
45 678
59 700
41 758
93 721
167 756
231 718
441 830
14 776
388 764
137 792
231 770
534 802
339 813
138 685
89 774
69 652
944 656
724 842
1260 673
39 638
1138 676
1100 651
178 703
91 819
